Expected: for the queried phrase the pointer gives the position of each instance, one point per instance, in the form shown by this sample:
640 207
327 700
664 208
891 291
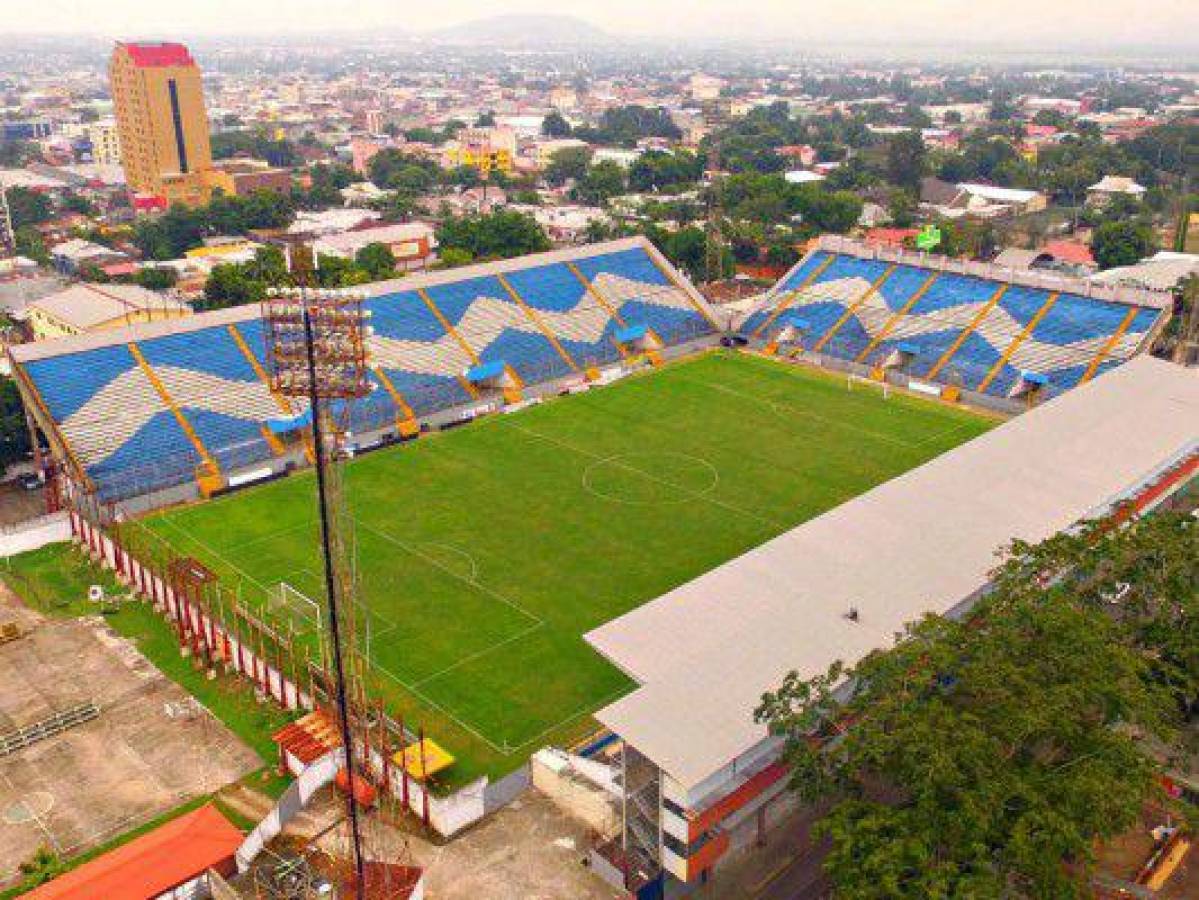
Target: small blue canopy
799 323
282 426
1035 378
903 347
631 333
485 371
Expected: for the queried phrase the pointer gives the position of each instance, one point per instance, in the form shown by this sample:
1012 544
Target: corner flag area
484 553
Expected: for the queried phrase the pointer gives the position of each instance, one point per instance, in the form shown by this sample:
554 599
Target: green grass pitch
485 553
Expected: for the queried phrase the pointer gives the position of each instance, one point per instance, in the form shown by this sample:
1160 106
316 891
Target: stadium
635 524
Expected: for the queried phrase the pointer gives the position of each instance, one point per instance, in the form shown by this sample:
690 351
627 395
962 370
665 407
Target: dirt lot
150 749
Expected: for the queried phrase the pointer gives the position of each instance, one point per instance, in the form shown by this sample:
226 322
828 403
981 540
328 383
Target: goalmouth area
483 554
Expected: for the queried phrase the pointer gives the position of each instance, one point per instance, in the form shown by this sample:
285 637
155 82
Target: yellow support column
853 308
1015 344
211 479
789 296
1108 346
537 320
673 279
898 317
599 298
282 402
51 427
966 332
405 423
452 332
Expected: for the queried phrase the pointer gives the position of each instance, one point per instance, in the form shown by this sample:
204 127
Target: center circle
650 478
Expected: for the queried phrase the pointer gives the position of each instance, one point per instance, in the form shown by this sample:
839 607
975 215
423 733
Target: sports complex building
161 414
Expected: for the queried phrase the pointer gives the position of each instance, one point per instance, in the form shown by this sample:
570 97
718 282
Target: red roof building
159 55
1073 252
168 857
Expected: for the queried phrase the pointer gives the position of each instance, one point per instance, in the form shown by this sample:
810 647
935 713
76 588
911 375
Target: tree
603 181
655 170
14 435
486 119
568 164
452 257
389 168
1122 243
555 126
28 207
498 235
229 285
905 160
15 154
377 260
986 757
156 278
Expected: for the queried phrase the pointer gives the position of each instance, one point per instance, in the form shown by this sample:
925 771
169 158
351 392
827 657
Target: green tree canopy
555 125
986 757
498 235
569 163
377 260
603 181
1122 243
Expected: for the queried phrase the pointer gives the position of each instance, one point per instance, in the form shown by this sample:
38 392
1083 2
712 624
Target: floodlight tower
316 350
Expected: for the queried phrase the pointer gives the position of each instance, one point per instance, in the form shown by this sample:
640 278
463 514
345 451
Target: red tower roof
159 55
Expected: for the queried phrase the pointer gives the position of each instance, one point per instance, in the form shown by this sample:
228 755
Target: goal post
852 381
304 612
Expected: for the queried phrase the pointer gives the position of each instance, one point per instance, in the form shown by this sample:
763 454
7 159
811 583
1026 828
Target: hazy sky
1032 22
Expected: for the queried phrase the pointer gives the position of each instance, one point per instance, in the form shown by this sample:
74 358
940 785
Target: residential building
161 119
239 177
86 308
411 243
106 142
1100 194
485 149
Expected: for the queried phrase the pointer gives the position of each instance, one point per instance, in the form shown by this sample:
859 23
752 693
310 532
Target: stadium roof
922 542
153 864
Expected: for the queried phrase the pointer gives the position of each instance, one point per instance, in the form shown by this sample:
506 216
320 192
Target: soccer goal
290 604
853 382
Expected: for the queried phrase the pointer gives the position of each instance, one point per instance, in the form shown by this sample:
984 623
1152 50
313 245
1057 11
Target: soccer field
484 553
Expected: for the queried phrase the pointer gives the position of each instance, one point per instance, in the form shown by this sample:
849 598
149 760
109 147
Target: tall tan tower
161 120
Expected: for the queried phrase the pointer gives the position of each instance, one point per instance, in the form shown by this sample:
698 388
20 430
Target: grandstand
184 407
844 584
971 327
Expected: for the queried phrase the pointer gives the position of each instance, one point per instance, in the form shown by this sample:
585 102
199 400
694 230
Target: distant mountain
524 29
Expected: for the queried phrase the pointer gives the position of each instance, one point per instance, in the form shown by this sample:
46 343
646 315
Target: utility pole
8 236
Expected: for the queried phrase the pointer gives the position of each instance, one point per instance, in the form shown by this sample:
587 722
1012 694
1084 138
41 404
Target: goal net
289 604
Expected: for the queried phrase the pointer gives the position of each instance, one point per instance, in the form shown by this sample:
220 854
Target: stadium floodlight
316 351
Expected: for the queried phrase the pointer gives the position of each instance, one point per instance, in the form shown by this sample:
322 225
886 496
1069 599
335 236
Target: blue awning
631 333
485 371
1035 378
799 323
281 426
907 348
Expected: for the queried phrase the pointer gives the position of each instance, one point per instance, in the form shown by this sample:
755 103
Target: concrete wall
35 533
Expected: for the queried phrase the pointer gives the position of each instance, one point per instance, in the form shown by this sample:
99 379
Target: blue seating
1074 332
127 437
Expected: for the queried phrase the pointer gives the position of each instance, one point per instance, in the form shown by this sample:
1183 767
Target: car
28 481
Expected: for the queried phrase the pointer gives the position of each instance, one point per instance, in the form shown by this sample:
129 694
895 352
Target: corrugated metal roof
922 542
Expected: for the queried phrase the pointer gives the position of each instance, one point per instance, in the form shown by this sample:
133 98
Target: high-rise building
163 126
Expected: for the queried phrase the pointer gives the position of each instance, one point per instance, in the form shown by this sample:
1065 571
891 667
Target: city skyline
1105 23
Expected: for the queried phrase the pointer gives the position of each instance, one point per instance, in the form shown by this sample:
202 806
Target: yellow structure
87 308
485 149
163 126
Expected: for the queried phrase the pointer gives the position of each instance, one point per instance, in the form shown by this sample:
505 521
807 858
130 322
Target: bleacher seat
129 440
962 329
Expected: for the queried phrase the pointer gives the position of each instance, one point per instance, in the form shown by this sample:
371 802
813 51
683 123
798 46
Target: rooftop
923 542
152 864
87 305
158 54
